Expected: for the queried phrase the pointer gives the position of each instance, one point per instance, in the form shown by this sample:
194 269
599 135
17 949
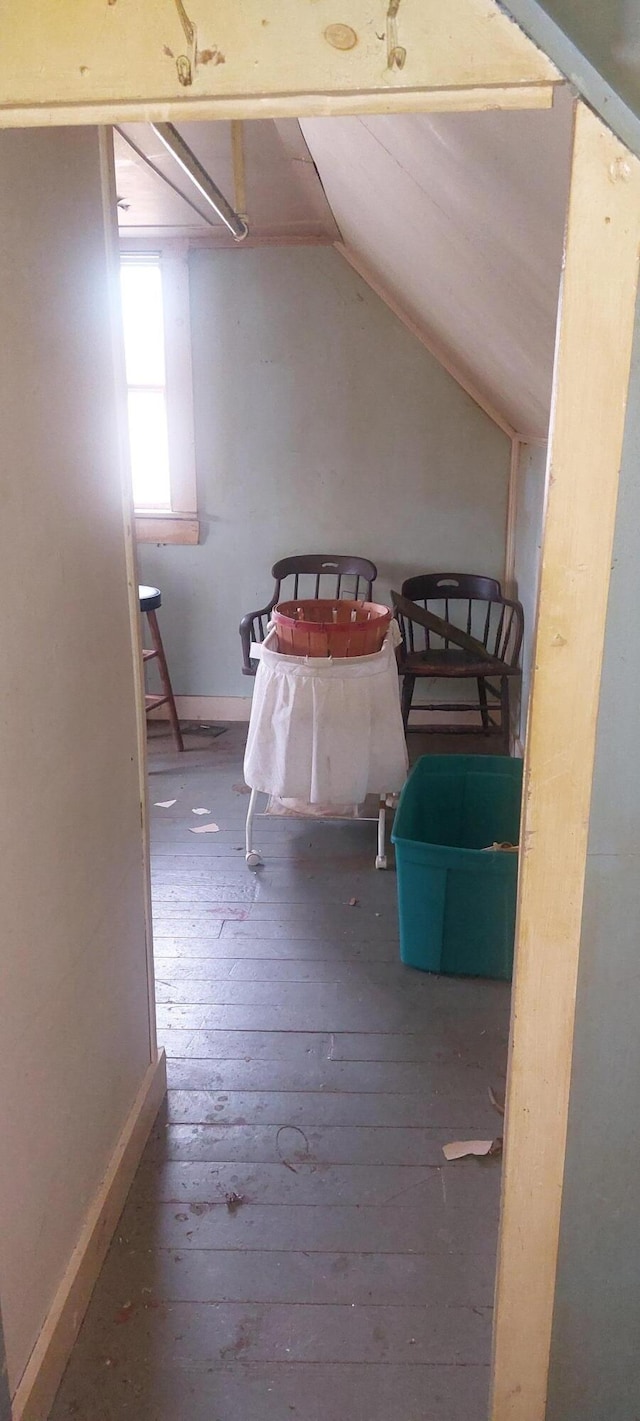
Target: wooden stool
150 600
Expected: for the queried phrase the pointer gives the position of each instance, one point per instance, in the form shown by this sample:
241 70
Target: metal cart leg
253 857
381 856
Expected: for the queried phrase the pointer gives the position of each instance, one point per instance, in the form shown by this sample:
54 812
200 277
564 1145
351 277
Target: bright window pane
149 449
143 322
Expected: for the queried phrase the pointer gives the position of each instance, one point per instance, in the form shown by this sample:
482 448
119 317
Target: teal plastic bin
457 904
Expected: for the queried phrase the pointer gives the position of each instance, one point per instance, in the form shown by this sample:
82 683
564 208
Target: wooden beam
429 341
75 62
142 239
597 313
112 255
239 174
366 101
512 517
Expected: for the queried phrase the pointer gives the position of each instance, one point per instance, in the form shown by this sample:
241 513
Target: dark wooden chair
329 575
456 625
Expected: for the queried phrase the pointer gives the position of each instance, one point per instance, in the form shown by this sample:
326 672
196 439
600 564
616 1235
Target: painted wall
528 542
74 1015
321 425
594 1371
608 33
596 44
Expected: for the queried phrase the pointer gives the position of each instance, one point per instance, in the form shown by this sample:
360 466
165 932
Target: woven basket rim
377 612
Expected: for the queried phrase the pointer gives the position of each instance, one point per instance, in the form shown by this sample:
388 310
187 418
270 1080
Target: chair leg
165 679
408 683
484 710
505 715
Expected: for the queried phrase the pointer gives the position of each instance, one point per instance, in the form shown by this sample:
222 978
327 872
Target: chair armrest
253 627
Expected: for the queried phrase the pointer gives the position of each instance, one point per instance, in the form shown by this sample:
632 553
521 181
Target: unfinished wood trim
239 174
271 58
429 341
112 252
597 312
37 1389
166 530
145 238
371 101
512 516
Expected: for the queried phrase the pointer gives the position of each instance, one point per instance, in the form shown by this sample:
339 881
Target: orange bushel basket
330 628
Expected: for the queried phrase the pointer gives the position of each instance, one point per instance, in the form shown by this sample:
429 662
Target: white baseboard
44 1371
434 717
238 708
207 708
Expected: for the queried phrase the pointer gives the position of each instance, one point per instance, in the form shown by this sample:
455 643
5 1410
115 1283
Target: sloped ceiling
460 219
284 194
456 218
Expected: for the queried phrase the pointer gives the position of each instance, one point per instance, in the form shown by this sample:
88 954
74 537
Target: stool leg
165 679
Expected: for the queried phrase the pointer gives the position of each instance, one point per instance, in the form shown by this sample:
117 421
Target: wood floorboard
327 1145
253 1391
464 1076
294 1243
198 943
450 1230
290 1333
320 1279
434 1107
197 1182
440 1108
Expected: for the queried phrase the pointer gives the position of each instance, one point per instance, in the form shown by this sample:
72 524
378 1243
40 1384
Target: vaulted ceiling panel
284 196
460 218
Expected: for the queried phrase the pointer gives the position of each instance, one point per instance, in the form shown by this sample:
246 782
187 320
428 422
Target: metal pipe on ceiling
176 146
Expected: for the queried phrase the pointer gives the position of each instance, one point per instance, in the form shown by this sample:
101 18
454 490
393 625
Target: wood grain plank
271 1391
448 1229
596 316
447 1099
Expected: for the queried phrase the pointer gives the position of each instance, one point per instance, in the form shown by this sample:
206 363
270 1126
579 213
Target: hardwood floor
295 1244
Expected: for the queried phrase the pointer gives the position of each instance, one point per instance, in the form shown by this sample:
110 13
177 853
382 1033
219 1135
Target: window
155 312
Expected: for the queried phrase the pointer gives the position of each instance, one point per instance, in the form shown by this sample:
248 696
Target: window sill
152 528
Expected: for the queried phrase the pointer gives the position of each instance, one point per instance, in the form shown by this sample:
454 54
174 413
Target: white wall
74 1014
322 425
528 544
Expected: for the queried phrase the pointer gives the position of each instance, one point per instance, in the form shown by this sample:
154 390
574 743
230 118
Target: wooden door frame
595 316
594 338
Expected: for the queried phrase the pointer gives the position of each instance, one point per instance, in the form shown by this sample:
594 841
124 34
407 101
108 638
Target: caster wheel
381 861
254 859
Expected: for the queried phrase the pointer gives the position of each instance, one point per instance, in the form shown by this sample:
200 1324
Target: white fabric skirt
326 732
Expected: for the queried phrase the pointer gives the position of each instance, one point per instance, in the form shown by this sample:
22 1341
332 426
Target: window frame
179 523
